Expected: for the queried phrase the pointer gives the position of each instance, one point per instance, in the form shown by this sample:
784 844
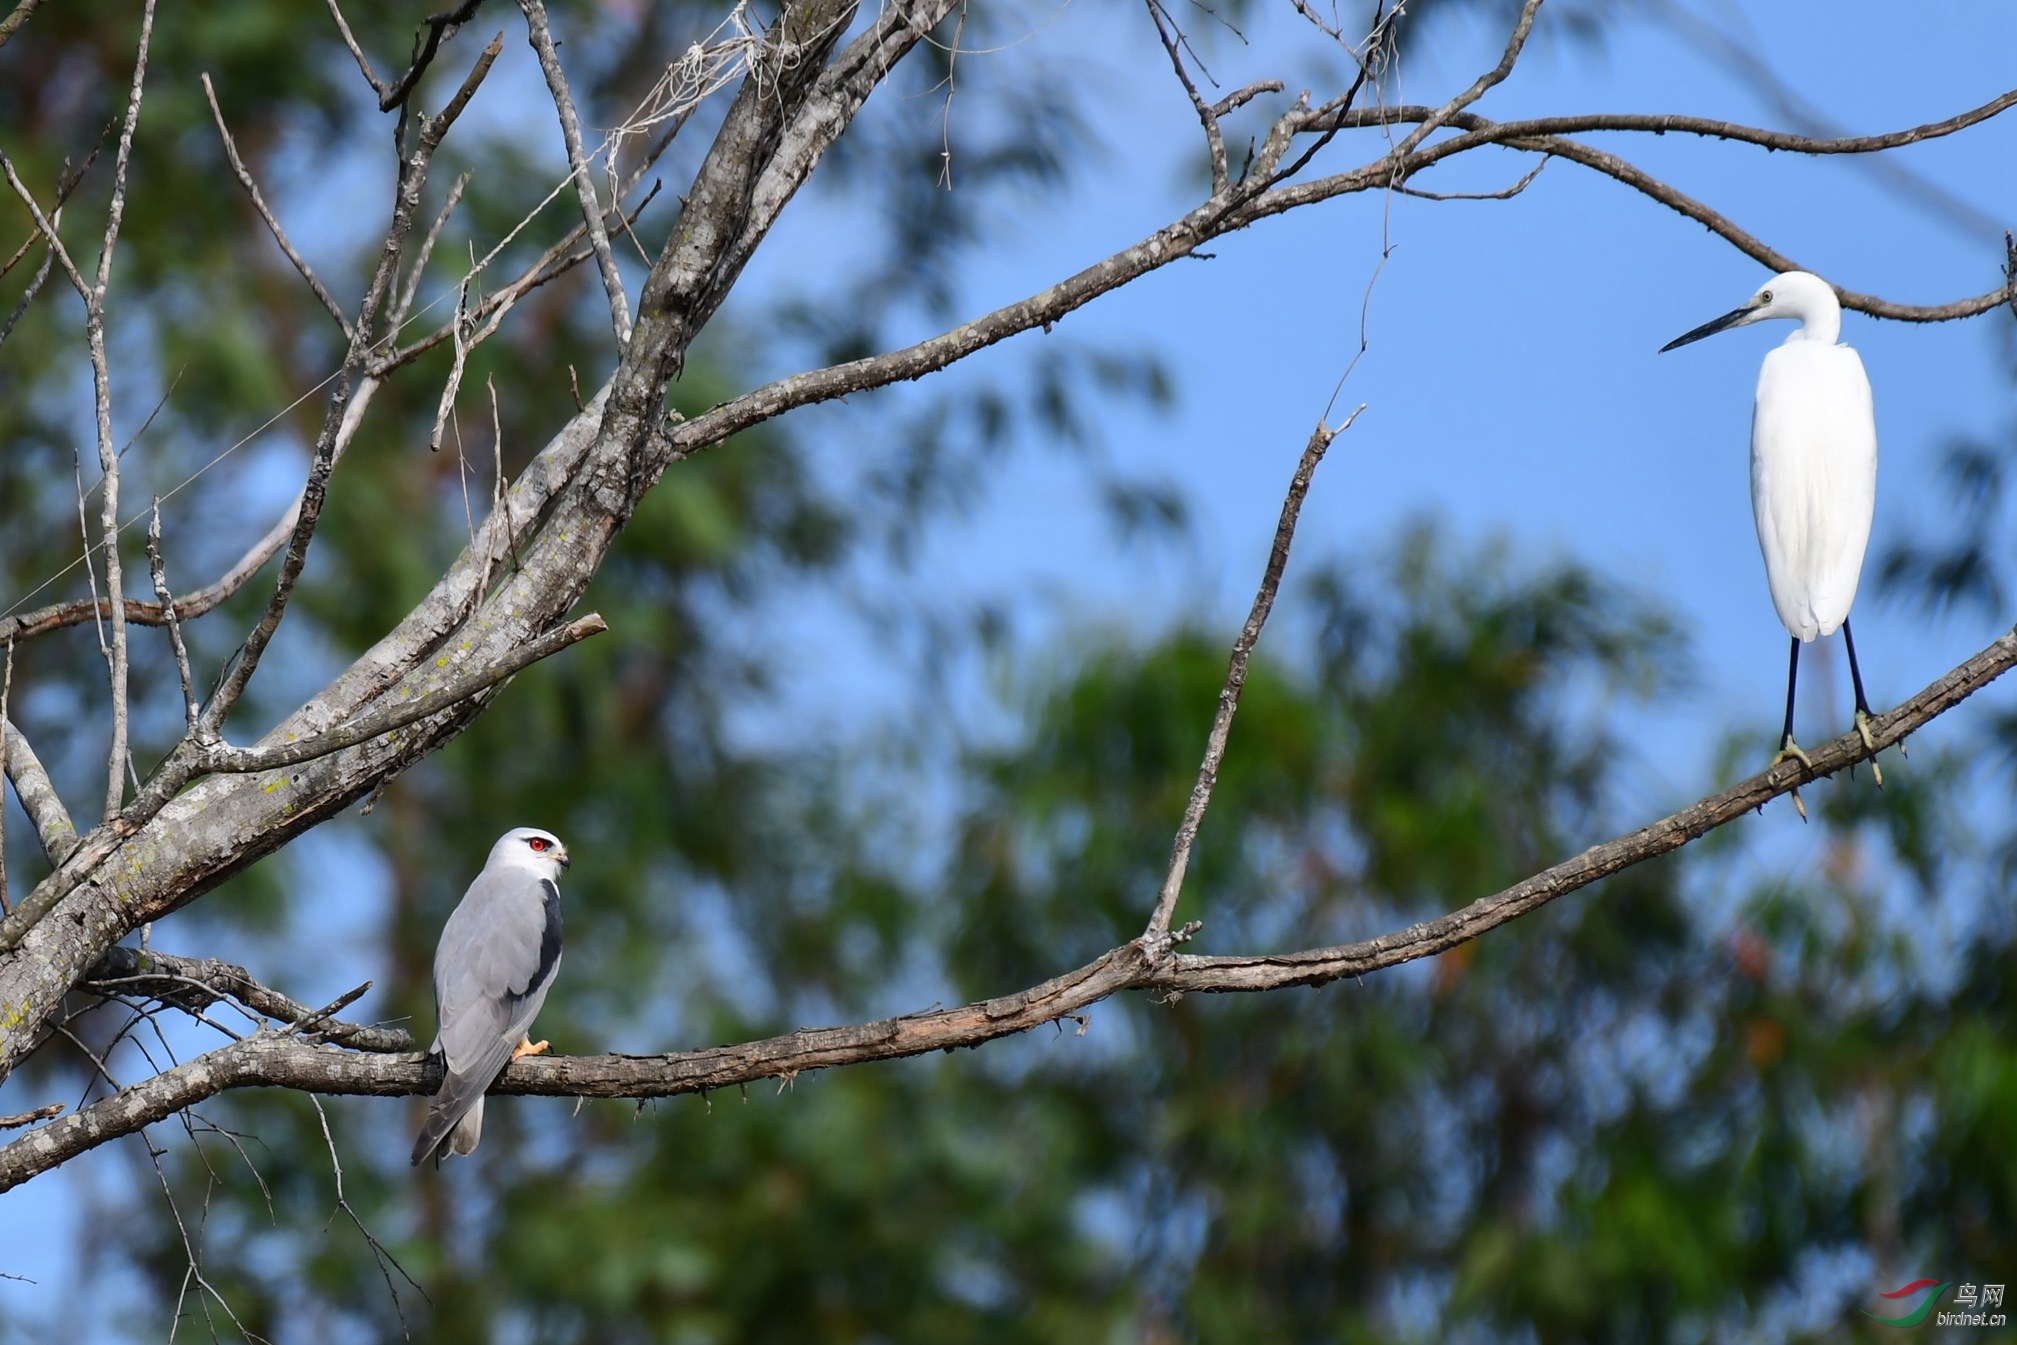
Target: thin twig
1174 42
6 690
194 984
29 1118
312 1021
35 283
66 182
458 361
498 507
383 1257
439 28
272 222
555 263
46 228
190 606
1522 26
397 317
356 52
541 38
108 456
1502 194
158 569
1236 677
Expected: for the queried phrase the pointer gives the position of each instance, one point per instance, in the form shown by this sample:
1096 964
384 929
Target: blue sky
1511 381
1511 378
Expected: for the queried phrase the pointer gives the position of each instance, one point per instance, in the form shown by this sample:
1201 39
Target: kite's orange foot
528 1047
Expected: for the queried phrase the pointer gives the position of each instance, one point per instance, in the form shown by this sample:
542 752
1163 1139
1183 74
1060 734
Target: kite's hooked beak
562 859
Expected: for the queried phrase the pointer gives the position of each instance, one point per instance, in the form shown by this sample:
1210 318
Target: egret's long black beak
1729 319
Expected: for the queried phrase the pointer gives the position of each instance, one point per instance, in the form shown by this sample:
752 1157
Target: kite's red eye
537 842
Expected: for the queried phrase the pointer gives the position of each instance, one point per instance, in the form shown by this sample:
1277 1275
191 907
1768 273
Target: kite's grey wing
496 960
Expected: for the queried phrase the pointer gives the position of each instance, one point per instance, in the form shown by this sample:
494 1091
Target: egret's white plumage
496 960
1813 468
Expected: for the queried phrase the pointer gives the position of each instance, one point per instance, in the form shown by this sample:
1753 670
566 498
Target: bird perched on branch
1813 475
495 962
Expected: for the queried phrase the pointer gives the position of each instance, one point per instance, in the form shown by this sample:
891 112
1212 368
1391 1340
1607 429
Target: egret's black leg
1862 705
1855 673
1788 749
1792 680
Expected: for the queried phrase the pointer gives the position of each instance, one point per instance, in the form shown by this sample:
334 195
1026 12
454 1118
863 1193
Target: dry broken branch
1236 678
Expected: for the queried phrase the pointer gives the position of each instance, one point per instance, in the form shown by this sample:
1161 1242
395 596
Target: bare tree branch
169 780
1522 26
108 453
21 13
389 716
396 319
1174 43
1664 123
1210 220
1236 678
792 106
19 1119
244 175
412 179
35 283
38 797
56 616
541 39
6 692
356 52
438 29
1613 166
158 571
194 984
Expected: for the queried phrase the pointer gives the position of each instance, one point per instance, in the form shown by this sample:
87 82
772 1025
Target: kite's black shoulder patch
549 938
549 946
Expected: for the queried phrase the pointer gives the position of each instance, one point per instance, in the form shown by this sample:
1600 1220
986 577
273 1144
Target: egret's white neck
1821 322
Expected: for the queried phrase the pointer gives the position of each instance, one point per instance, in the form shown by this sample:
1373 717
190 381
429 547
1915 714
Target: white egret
1813 474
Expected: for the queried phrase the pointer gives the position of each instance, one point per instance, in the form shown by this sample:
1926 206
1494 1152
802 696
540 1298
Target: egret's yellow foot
1863 728
1790 751
531 1047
